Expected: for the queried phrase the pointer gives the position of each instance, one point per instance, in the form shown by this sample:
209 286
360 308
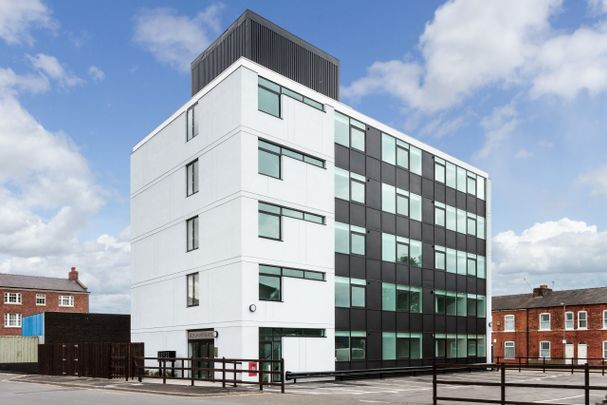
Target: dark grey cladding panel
264 42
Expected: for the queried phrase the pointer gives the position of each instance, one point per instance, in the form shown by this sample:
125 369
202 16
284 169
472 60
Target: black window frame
288 152
195 233
193 301
194 180
190 110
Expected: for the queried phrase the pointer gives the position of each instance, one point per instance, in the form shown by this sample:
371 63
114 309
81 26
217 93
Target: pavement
57 390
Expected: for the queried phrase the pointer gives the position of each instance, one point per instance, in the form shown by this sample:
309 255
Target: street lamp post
564 329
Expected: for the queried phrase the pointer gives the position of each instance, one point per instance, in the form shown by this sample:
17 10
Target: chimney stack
73 275
542 290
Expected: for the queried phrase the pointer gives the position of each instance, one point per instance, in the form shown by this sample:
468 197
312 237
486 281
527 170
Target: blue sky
516 88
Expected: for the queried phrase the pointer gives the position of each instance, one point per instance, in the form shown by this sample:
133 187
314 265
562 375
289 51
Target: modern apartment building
271 220
562 326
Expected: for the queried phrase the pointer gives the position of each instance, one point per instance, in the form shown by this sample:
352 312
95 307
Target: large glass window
399 249
270 219
192 233
349 132
350 345
439 170
270 280
270 158
401 345
400 153
193 297
269 97
402 298
191 123
440 258
349 185
349 239
192 178
349 292
455 261
396 200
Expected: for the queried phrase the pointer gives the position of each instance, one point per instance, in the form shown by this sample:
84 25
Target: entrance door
582 353
271 350
568 353
204 349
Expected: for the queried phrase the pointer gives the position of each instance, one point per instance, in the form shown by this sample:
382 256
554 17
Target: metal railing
219 370
503 384
367 372
565 363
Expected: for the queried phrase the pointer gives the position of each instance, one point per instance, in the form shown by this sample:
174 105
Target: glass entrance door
204 349
271 350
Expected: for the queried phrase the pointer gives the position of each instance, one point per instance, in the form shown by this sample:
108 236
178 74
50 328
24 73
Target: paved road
402 390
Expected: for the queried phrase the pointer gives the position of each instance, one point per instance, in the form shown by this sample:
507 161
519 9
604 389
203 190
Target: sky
516 88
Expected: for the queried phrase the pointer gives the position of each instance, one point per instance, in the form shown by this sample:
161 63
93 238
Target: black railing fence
222 370
586 369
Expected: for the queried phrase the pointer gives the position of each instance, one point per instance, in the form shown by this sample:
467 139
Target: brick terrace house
25 295
563 326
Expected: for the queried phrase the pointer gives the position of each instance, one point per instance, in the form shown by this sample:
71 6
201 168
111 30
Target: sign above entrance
202 334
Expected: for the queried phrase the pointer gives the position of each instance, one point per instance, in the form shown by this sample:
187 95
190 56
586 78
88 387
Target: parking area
399 390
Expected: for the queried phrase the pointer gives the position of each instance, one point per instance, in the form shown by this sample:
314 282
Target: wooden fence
103 360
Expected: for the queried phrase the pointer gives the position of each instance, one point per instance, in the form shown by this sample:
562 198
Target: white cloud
597 180
498 127
175 39
19 17
598 6
48 193
96 73
11 82
469 44
570 253
523 154
569 64
51 67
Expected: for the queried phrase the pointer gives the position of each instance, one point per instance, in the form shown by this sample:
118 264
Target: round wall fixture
252 307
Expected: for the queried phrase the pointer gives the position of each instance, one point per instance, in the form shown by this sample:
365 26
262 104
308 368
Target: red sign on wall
252 368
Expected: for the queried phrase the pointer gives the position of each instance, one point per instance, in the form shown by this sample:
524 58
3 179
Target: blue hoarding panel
33 325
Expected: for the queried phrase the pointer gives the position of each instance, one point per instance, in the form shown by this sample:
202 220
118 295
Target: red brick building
563 326
25 295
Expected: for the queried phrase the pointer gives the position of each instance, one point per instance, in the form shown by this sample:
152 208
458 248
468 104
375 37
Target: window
401 345
450 176
440 214
349 185
401 298
582 320
191 123
192 289
471 225
350 345
192 233
569 320
545 321
545 349
270 219
605 319
12 320
450 303
509 352
268 97
270 280
349 132
439 170
396 200
402 250
12 298
269 158
509 323
66 300
400 153
439 258
471 184
349 239
349 292
191 178
605 349
40 299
